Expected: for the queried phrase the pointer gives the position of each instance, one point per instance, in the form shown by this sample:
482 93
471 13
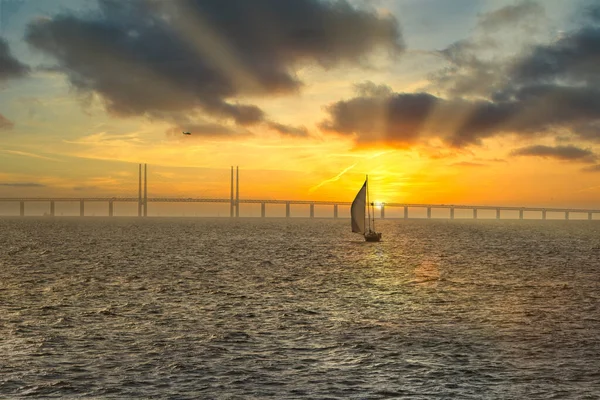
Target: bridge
234 203
142 210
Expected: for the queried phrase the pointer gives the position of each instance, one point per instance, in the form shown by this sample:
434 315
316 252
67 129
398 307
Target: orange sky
424 123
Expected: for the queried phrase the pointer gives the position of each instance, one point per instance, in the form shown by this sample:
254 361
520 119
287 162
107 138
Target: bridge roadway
234 206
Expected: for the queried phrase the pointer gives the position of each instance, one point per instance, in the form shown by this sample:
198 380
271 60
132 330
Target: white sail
357 210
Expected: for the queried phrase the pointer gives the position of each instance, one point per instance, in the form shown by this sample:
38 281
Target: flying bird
186 133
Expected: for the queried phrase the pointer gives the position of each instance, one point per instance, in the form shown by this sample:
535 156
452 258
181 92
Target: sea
251 308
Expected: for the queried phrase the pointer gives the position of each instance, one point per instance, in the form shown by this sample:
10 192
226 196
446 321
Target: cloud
468 164
5 123
22 184
478 66
404 119
572 59
144 57
519 13
566 153
496 160
10 67
28 154
288 130
593 168
550 89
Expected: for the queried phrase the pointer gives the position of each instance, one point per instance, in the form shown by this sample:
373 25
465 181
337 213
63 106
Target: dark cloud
589 130
148 56
573 59
408 118
391 118
5 123
552 89
477 66
10 67
22 184
566 153
287 130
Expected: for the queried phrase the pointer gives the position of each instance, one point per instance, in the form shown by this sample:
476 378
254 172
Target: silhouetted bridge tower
235 201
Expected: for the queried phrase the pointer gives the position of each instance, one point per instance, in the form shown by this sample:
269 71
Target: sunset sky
490 102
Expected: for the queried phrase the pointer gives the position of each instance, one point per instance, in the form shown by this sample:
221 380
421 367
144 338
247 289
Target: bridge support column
543 214
287 209
382 212
22 208
589 216
52 208
335 211
81 208
520 214
405 212
263 210
140 191
237 191
110 208
452 213
429 212
497 213
474 213
145 190
312 210
566 215
231 202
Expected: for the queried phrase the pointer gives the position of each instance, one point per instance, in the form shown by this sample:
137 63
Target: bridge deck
291 202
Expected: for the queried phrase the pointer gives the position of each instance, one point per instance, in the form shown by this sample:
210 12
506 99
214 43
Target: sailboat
357 211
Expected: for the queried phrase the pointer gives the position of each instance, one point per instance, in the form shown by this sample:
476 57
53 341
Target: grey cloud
478 65
521 12
551 90
574 59
589 130
288 130
408 118
22 184
566 153
467 73
149 56
10 67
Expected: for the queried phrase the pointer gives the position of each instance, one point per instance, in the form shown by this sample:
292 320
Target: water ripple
218 308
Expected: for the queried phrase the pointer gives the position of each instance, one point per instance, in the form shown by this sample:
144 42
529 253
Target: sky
482 102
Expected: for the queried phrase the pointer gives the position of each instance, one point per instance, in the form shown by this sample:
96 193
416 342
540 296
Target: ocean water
286 309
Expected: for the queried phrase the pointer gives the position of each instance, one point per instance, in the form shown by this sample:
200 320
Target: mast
368 209
373 206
